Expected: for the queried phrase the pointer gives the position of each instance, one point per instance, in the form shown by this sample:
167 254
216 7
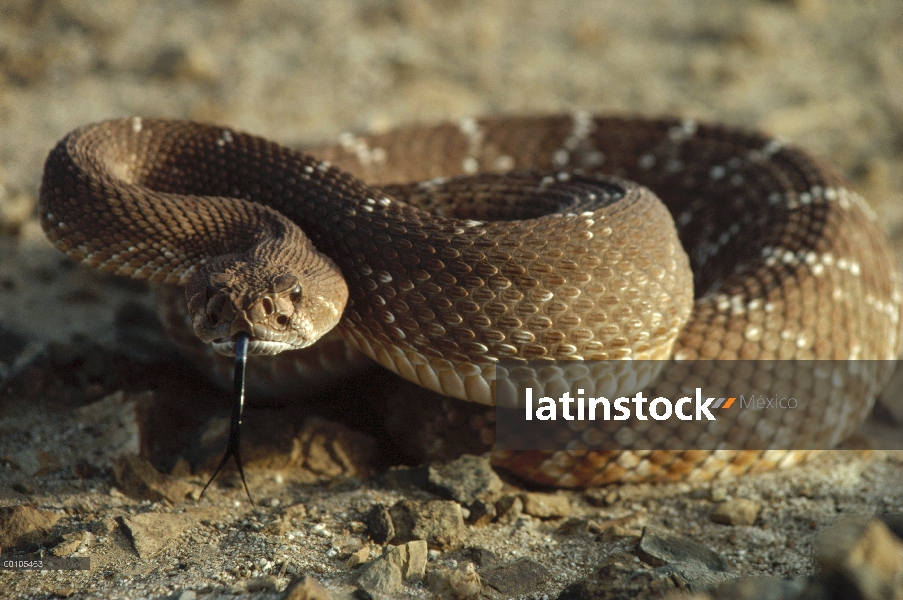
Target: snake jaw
272 310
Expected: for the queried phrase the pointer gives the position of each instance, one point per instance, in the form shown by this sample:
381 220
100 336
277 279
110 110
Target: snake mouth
226 347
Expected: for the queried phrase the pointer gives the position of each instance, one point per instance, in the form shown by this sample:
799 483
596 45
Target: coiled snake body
460 244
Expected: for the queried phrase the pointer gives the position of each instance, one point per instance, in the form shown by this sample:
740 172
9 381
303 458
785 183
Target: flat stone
546 506
522 576
465 480
660 548
136 477
439 522
862 554
739 511
387 574
150 533
23 525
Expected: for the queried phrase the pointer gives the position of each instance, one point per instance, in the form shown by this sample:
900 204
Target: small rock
386 574
601 496
22 525
439 522
660 548
150 533
358 557
465 480
546 506
379 524
460 583
739 511
862 554
522 576
184 595
136 477
71 542
482 557
717 494
104 526
307 588
481 513
509 508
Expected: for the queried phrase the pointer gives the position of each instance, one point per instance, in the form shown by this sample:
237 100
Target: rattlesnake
461 244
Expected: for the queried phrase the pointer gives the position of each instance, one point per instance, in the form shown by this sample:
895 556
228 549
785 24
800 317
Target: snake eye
295 296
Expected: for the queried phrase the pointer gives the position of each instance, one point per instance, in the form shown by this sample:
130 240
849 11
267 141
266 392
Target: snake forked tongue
233 445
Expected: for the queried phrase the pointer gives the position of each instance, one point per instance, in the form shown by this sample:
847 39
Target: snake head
273 304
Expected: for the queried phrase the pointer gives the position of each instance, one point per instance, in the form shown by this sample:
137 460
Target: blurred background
827 74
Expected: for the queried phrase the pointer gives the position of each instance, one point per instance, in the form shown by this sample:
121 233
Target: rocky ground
101 426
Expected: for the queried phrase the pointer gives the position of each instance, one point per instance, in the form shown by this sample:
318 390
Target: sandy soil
827 74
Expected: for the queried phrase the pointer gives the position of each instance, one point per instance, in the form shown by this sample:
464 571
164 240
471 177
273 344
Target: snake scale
437 250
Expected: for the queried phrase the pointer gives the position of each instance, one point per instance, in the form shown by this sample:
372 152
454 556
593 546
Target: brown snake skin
498 238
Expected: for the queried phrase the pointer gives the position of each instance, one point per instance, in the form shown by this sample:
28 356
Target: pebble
71 543
23 525
739 511
465 480
379 524
546 506
439 522
660 548
509 508
358 557
481 513
387 574
151 533
522 576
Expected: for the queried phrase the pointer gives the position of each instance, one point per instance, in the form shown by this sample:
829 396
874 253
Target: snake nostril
267 306
282 320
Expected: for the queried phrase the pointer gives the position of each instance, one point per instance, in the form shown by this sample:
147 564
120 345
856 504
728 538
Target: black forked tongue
233 446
